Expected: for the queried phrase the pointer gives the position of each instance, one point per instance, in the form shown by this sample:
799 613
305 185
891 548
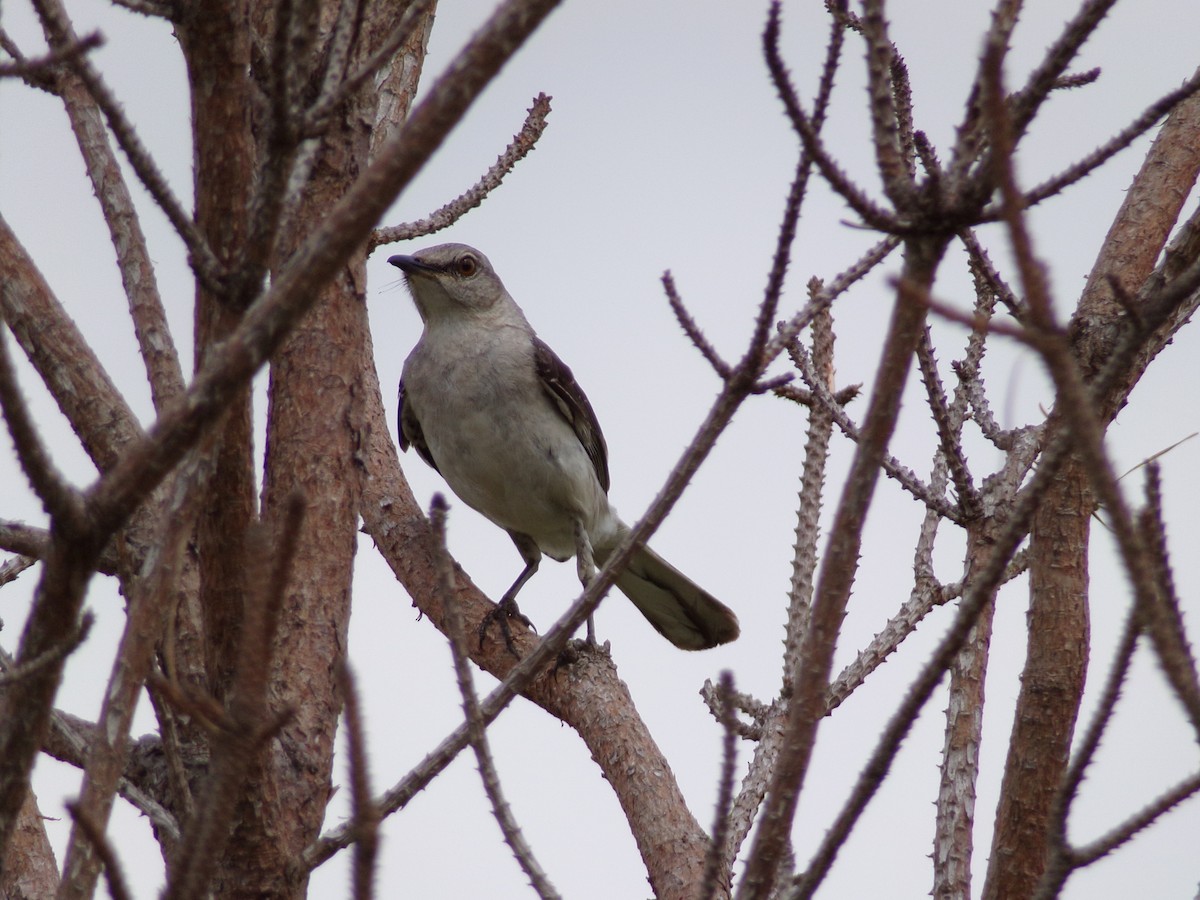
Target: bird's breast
501 444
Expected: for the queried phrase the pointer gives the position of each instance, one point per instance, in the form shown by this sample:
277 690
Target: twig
787 331
756 709
68 743
837 575
1047 76
1059 862
60 500
59 33
954 820
12 568
1163 804
894 469
144 622
871 213
1164 622
979 593
159 356
923 600
692 329
103 850
522 143
364 815
716 870
812 482
168 726
1109 148
475 725
949 429
41 71
890 106
338 51
290 47
65 648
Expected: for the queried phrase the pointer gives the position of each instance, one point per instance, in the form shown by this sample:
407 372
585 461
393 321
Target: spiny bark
1056 665
216 47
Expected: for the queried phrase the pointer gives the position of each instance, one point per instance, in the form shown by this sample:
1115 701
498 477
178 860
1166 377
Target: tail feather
679 609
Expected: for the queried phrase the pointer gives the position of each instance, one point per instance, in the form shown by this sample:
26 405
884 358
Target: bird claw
499 615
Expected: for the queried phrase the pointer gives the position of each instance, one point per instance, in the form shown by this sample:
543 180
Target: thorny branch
478 736
522 143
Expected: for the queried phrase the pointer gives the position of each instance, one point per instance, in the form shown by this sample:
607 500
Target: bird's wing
560 385
410 432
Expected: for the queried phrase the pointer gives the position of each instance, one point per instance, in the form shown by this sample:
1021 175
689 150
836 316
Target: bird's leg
507 607
585 565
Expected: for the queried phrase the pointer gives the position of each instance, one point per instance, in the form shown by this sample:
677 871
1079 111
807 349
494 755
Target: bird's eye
466 266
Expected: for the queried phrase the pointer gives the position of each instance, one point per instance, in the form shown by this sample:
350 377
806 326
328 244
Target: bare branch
871 213
1110 148
60 33
894 469
716 869
28 541
51 656
60 500
365 817
42 71
890 106
692 329
12 568
1059 863
979 593
1048 75
157 347
954 824
98 413
1129 829
837 575
787 331
107 753
949 430
522 143
475 726
249 723
104 852
812 480
1164 622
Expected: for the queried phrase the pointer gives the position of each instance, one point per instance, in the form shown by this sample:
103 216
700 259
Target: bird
487 404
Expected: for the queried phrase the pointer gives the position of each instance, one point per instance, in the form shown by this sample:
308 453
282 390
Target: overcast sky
667 149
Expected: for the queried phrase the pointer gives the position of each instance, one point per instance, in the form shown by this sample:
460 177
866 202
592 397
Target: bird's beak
410 265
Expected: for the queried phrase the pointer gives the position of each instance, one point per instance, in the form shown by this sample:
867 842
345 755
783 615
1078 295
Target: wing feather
560 385
411 433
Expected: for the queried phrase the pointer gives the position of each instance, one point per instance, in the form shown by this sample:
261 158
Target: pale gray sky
667 149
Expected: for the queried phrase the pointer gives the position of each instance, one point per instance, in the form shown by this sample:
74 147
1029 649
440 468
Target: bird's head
449 280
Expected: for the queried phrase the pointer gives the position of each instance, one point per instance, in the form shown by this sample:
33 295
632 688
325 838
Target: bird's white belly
519 464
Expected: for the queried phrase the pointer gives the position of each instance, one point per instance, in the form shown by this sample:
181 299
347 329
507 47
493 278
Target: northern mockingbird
494 410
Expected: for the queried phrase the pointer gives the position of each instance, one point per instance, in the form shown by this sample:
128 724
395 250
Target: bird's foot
499 615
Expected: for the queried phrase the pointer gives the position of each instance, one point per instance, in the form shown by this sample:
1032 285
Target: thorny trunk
1051 686
953 842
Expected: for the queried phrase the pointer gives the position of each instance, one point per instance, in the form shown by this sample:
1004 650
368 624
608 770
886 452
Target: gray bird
494 410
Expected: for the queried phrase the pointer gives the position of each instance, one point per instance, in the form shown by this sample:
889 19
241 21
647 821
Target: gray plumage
486 403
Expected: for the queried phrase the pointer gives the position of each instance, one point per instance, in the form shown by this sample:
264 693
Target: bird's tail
679 609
